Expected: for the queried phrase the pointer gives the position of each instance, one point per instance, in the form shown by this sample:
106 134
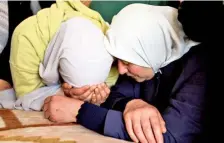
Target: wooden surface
18 126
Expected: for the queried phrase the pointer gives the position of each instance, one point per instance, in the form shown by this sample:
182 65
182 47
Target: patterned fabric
28 126
3 24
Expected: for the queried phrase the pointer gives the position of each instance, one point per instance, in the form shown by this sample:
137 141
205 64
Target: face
139 73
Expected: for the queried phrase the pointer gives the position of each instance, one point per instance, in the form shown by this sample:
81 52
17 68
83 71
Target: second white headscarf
148 36
77 54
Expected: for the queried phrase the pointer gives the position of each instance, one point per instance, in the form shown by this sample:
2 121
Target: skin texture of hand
61 109
95 94
143 122
86 2
83 93
100 94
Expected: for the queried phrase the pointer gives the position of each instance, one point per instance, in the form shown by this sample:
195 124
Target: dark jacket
178 93
203 21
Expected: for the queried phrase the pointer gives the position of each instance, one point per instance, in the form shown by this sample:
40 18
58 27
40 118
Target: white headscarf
148 36
78 53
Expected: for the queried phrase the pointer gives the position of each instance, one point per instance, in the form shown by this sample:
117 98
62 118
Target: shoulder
195 59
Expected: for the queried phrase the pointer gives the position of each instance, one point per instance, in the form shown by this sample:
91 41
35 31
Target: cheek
141 72
134 70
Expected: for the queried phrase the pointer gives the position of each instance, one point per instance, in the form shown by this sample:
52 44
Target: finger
147 129
66 92
98 96
79 91
66 86
46 114
107 89
156 127
87 93
51 119
97 92
45 107
136 123
47 100
89 98
75 97
93 100
128 125
102 92
162 123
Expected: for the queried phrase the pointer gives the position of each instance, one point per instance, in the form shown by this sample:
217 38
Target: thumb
80 90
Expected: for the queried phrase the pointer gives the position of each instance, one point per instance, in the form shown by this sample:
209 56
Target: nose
122 68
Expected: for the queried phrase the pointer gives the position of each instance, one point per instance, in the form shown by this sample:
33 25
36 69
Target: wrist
121 104
78 105
133 101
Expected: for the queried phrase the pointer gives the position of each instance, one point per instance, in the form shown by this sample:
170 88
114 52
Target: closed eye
125 62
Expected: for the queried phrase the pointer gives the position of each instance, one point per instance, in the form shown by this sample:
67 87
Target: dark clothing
178 93
203 22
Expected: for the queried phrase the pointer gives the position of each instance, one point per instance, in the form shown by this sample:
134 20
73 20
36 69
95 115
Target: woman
206 27
106 9
165 101
56 41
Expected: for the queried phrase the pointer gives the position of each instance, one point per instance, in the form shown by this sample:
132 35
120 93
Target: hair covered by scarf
148 36
76 53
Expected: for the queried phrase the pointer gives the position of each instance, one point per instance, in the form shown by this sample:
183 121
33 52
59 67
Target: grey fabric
35 99
32 101
77 54
7 99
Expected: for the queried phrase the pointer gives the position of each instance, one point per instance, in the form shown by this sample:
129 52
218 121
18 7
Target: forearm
92 117
118 103
103 121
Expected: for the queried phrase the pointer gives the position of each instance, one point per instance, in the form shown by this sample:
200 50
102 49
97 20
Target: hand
61 109
86 2
83 93
76 91
66 88
100 94
4 85
143 122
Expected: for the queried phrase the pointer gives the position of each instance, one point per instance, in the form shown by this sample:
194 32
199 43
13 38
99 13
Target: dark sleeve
108 119
184 115
103 121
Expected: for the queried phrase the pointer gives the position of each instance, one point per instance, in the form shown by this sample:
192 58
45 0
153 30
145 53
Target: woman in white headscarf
152 40
165 101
